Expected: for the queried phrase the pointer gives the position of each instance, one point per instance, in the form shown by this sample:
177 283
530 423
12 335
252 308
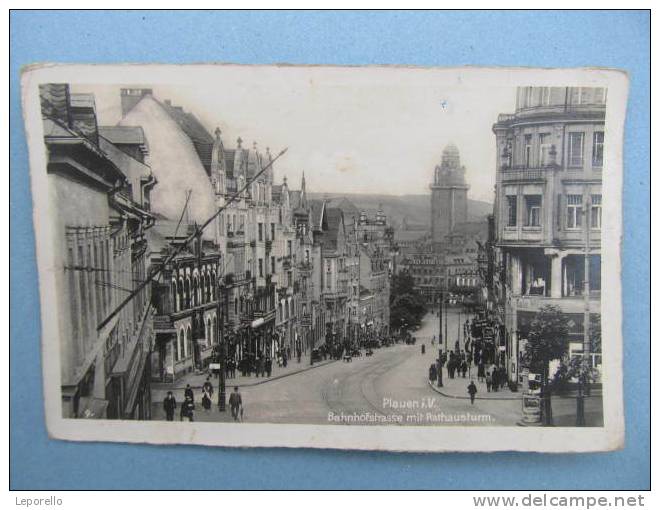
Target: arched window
213 286
215 338
175 296
209 332
189 344
187 292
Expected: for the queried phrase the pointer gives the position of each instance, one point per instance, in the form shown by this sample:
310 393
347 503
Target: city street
391 385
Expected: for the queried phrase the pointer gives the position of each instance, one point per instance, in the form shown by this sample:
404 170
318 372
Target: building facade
548 212
102 195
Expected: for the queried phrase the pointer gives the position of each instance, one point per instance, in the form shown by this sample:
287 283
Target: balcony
335 295
527 174
568 304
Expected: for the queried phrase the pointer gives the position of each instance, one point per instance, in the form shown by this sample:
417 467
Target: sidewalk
196 380
457 388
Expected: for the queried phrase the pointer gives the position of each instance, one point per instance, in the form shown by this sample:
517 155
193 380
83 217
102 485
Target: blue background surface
549 39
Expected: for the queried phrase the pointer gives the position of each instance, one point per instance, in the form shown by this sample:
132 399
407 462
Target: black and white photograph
391 258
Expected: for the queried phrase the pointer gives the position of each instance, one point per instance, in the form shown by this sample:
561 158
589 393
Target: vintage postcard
378 258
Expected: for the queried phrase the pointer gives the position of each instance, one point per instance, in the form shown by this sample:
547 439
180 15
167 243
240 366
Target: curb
256 383
434 388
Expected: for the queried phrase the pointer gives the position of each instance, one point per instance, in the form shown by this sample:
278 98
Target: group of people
495 377
188 405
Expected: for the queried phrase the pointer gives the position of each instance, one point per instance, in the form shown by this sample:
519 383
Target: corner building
548 212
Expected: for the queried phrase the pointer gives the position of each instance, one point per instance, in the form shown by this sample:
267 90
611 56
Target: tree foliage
547 339
406 303
594 333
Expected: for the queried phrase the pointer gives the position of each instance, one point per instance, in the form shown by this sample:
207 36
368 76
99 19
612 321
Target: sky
352 130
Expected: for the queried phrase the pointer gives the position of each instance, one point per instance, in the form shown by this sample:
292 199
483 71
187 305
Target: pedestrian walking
261 367
489 381
495 378
481 372
269 366
169 404
298 354
423 349
208 387
206 400
187 409
433 372
472 390
188 393
464 368
236 404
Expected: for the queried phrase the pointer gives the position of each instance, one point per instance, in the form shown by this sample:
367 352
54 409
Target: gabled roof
194 129
317 207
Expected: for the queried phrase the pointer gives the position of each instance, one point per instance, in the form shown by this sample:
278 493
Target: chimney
131 97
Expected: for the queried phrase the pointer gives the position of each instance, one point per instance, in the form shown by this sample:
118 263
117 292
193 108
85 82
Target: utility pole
222 343
587 249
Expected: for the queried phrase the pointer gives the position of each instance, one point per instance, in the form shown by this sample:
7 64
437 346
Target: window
544 149
596 211
574 211
527 150
272 265
527 97
261 268
597 154
545 96
512 210
288 248
533 210
261 231
575 149
578 95
600 95
272 231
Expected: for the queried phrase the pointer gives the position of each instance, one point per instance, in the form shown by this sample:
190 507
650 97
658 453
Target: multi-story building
548 210
186 301
102 195
374 277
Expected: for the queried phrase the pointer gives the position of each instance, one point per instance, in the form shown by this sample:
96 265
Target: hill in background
416 209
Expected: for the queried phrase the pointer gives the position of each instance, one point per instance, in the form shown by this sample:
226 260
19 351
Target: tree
547 341
594 333
407 306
